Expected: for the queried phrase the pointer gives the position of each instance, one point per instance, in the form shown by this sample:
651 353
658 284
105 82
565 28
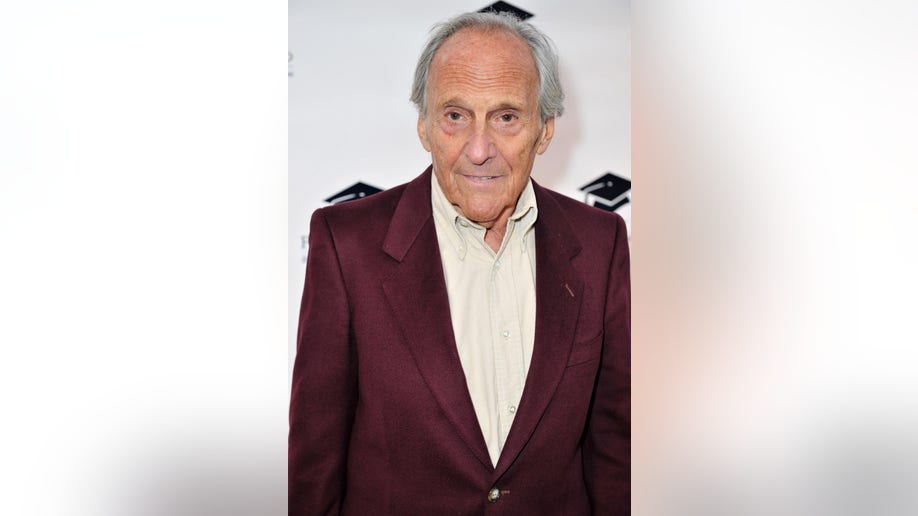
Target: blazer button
494 495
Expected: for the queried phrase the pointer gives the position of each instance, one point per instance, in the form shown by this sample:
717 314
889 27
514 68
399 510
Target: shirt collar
446 216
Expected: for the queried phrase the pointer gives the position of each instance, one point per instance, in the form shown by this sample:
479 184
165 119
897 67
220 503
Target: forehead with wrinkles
479 60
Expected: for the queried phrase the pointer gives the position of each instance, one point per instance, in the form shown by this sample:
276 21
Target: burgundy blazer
381 421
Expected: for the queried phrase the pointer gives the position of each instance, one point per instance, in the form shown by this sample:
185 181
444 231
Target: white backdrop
350 70
143 167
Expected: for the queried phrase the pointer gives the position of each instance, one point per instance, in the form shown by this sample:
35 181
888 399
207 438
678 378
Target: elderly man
464 339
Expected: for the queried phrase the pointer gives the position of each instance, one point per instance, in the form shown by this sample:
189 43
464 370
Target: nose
480 148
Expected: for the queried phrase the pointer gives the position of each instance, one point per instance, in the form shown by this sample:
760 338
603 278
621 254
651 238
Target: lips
479 179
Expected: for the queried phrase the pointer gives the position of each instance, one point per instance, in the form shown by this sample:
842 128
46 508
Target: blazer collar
559 292
411 214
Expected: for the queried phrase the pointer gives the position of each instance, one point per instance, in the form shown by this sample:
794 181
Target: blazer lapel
559 292
416 293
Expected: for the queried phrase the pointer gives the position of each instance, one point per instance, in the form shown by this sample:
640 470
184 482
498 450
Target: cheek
447 149
522 157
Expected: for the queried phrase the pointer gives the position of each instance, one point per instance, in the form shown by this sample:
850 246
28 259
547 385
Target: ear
548 130
422 134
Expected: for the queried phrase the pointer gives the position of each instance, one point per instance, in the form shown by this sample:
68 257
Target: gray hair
551 96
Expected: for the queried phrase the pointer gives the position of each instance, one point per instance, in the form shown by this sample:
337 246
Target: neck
494 236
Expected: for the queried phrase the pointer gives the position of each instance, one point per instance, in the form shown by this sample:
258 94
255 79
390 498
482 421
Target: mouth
481 179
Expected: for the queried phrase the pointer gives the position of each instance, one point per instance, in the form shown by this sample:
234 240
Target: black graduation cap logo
608 192
504 7
358 190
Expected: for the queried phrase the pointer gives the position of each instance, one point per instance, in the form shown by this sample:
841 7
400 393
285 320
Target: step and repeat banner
352 130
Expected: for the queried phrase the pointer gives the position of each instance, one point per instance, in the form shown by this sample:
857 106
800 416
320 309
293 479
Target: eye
507 117
454 116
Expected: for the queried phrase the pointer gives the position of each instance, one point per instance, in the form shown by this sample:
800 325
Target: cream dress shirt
492 305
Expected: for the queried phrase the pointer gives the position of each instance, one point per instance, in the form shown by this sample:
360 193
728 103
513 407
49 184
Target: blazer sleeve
607 444
324 392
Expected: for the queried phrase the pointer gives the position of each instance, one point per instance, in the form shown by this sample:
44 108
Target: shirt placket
506 341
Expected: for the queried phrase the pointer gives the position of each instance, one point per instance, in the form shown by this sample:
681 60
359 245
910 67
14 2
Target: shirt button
512 409
505 333
497 264
494 495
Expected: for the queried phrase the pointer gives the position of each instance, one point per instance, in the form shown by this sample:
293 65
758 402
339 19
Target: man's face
482 125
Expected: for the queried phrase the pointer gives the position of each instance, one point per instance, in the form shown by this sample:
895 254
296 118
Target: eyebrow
454 101
508 105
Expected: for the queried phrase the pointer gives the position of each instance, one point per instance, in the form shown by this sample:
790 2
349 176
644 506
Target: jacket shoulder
591 225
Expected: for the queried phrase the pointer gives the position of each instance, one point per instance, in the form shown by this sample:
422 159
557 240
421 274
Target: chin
484 215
